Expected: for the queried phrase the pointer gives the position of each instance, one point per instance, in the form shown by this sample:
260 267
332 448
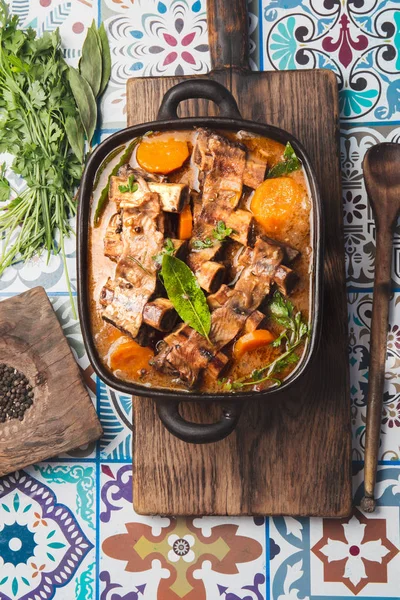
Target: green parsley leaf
4 184
221 231
169 248
131 187
201 244
219 234
295 333
37 95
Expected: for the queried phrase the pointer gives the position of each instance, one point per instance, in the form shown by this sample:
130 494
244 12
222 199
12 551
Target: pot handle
198 88
197 433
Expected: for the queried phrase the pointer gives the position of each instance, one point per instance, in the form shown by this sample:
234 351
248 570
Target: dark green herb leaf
85 101
104 193
131 187
186 295
278 341
289 164
76 136
105 58
90 64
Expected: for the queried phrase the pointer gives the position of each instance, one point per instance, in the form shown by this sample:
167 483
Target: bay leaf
90 64
76 137
105 58
85 101
186 295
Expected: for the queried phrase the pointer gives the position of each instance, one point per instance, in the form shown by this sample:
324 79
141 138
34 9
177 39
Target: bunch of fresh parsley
46 108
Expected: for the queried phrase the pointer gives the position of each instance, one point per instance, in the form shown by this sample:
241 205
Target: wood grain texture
291 455
62 416
227 34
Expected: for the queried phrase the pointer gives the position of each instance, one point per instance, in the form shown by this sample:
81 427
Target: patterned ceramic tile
166 559
360 306
335 558
115 412
39 271
47 532
149 37
72 17
358 219
358 40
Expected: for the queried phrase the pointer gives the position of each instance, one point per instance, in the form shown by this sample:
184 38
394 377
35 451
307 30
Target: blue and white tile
47 532
360 307
359 226
359 42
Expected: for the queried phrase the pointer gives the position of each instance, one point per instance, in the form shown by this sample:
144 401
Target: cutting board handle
228 33
198 88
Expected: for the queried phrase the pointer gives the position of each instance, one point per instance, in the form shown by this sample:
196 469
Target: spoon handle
376 378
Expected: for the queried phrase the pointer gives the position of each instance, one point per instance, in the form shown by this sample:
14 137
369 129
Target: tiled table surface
67 527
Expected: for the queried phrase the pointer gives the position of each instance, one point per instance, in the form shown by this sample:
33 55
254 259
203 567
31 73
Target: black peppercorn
16 394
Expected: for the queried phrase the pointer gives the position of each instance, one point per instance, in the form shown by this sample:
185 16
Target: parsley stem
270 367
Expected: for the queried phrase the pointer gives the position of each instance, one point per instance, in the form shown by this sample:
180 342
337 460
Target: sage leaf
289 164
76 137
105 58
90 64
85 101
185 294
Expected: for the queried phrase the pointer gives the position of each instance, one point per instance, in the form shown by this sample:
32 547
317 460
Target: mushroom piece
173 196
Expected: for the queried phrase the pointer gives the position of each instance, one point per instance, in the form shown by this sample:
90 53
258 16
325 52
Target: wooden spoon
382 178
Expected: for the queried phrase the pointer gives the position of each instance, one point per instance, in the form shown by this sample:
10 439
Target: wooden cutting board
62 416
292 454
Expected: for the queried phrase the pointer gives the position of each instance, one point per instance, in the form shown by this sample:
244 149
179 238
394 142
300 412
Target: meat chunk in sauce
142 223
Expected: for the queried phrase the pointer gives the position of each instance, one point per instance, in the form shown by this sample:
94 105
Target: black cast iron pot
230 119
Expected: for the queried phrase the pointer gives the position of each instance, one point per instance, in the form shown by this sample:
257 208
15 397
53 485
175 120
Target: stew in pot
200 261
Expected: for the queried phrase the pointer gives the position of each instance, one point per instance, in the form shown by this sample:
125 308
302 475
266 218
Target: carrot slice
252 341
130 358
277 203
162 156
185 224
